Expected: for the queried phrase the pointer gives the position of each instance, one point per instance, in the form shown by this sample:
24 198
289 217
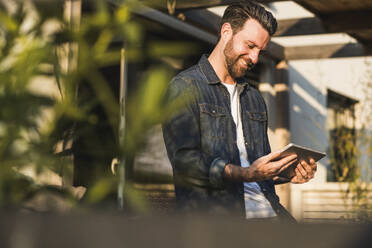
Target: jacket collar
211 75
208 70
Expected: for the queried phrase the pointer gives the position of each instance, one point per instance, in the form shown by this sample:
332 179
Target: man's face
242 49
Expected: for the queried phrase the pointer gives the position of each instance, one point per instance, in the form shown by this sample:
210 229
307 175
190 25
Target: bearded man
218 144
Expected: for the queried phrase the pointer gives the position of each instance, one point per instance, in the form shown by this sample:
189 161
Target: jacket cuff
215 173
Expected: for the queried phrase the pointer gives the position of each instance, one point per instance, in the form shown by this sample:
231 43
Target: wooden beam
327 23
171 22
174 23
187 4
275 51
307 6
363 36
348 21
342 21
291 27
203 18
326 51
301 26
334 5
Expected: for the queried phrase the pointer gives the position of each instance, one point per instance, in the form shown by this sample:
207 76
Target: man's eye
250 46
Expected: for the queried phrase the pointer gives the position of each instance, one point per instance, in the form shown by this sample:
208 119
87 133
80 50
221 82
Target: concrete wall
309 81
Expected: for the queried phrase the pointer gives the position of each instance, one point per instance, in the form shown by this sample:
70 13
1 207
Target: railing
330 202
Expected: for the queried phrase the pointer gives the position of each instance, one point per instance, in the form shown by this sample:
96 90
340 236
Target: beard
232 61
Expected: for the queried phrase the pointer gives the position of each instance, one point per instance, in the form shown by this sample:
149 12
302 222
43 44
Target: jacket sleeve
267 143
182 139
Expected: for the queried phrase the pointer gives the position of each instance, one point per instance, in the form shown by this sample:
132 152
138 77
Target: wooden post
68 56
123 88
282 131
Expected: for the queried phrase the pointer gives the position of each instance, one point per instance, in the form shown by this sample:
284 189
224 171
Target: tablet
302 152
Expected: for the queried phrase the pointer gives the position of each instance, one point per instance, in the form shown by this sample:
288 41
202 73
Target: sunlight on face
242 50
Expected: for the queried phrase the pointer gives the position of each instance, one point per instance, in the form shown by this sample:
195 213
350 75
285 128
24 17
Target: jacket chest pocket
257 126
212 121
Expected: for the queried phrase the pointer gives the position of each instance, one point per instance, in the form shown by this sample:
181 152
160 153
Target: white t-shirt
256 204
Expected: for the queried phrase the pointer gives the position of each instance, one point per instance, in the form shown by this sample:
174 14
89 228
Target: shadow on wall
308 112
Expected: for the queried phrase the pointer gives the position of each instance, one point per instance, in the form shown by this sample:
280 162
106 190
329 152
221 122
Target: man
218 144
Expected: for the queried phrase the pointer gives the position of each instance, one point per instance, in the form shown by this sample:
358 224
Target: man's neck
216 58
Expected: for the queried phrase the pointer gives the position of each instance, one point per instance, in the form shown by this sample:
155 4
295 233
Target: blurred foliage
344 154
365 134
24 54
35 125
351 156
360 189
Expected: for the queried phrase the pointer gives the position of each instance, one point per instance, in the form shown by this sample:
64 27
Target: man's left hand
304 172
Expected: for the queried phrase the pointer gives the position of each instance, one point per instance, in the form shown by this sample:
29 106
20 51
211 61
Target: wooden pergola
353 17
193 19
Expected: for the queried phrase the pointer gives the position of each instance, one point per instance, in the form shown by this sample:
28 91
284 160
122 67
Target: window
342 138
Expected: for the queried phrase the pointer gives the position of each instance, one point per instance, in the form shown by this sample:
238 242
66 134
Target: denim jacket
201 139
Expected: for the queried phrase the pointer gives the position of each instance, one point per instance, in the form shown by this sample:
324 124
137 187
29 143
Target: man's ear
226 31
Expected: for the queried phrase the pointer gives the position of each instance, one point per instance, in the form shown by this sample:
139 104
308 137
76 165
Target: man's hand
264 168
270 166
304 172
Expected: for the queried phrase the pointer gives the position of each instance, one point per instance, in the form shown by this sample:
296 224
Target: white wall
309 81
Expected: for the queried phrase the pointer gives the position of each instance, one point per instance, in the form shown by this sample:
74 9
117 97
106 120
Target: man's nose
253 55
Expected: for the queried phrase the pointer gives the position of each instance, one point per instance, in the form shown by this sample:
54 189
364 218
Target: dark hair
237 14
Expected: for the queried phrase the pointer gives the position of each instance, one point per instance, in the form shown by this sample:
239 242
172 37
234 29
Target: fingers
274 164
307 170
298 178
313 164
302 170
273 156
264 168
285 162
287 165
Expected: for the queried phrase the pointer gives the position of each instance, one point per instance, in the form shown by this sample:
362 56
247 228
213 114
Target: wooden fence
335 202
312 202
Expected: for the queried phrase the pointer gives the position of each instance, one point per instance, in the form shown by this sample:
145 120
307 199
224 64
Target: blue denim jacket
201 139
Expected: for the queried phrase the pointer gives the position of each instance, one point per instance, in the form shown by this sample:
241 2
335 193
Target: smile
244 63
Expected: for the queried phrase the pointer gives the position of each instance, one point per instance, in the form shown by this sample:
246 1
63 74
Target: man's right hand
269 166
264 168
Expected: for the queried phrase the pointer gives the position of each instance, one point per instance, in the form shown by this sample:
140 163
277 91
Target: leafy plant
344 154
351 156
36 125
